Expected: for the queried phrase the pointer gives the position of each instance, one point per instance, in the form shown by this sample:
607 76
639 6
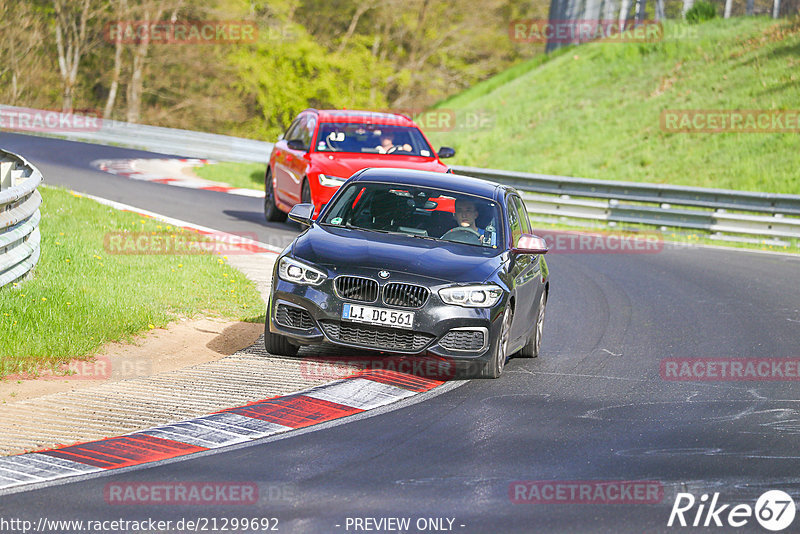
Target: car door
533 276
523 271
300 158
282 164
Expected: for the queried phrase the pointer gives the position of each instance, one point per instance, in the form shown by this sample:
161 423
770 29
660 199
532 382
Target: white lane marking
359 393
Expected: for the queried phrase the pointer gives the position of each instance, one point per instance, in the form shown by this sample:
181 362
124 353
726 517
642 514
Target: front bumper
313 316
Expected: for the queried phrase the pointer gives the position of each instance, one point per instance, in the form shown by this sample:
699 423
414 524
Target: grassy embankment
80 296
595 111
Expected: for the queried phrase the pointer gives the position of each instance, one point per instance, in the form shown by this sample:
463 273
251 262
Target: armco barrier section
759 214
19 217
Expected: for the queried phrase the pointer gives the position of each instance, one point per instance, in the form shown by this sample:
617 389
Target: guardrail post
6 176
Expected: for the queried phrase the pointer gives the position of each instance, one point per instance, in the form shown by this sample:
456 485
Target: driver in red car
387 145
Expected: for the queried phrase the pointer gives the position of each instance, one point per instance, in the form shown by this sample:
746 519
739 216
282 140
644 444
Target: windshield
372 139
417 212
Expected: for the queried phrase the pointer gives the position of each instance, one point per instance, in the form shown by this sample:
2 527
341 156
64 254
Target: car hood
345 165
448 262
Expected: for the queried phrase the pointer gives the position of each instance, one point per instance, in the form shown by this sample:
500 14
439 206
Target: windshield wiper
418 236
351 227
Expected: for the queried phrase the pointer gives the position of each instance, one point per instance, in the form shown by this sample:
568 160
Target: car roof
438 180
369 117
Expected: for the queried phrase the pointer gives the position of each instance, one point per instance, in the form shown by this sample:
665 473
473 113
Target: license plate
379 316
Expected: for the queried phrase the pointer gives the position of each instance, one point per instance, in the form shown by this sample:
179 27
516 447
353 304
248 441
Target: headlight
331 181
481 296
294 271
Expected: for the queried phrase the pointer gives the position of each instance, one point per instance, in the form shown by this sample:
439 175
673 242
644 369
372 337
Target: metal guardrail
653 204
19 217
151 138
578 199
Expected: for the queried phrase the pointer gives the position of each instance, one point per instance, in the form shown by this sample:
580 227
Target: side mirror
446 152
302 214
297 144
530 244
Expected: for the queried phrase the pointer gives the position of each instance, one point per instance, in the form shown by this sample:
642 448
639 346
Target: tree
120 11
21 31
72 18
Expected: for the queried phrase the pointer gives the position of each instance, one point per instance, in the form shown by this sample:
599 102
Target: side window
308 131
291 133
524 219
513 221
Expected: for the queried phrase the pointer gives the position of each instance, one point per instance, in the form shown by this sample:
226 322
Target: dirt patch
182 344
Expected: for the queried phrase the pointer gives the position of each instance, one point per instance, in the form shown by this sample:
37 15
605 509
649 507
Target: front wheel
494 367
271 211
277 344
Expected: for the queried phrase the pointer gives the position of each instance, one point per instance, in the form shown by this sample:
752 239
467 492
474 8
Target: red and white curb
366 390
169 171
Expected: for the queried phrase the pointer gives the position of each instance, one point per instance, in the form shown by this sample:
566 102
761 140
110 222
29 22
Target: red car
322 148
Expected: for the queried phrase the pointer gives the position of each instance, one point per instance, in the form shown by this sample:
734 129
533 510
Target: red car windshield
386 139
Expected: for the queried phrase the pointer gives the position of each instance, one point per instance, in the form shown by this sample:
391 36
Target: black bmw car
416 263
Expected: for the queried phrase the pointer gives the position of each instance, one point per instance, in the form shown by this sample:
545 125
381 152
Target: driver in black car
466 215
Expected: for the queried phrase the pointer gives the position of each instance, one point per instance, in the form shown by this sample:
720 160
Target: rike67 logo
774 510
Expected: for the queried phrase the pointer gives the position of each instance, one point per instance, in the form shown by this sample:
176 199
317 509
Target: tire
305 193
277 344
534 346
271 211
494 367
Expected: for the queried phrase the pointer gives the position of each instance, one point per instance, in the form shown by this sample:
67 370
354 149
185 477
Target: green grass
594 111
80 296
244 175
